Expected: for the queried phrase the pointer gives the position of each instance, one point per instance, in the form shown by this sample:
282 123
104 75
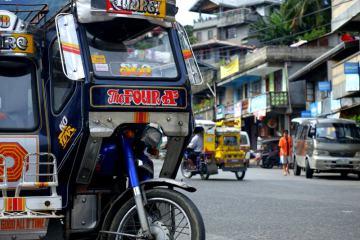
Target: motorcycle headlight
152 135
321 153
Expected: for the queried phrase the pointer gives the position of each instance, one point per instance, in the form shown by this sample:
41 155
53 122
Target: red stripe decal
70 49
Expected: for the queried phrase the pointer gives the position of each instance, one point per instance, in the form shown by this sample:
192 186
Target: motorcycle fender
148 184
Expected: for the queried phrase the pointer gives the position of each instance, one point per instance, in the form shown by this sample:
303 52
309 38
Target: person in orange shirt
285 145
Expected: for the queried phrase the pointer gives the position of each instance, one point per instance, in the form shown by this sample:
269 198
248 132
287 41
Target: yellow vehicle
221 150
228 153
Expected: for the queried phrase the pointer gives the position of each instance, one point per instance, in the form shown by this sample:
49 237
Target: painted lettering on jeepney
151 7
67 132
17 43
4 21
143 97
133 69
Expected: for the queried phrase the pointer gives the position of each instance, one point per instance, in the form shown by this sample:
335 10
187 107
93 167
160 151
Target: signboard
237 109
324 86
138 97
150 8
17 43
8 20
315 109
258 103
220 112
306 114
230 69
352 81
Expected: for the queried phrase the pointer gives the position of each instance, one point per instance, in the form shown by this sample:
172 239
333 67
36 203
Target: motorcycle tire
240 176
204 172
184 171
180 208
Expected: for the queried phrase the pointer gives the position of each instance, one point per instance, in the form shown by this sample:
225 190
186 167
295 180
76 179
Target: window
198 36
207 54
210 34
304 132
231 33
310 92
131 49
230 141
256 88
245 92
61 86
19 109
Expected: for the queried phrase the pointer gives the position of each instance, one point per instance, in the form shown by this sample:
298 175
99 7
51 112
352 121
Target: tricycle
221 150
85 98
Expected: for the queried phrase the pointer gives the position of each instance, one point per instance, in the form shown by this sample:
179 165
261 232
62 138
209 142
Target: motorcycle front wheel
185 171
171 215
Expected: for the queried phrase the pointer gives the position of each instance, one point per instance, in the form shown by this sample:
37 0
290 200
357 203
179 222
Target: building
332 80
222 37
256 89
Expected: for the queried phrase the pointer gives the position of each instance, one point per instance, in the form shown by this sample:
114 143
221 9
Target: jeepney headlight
357 154
321 153
152 135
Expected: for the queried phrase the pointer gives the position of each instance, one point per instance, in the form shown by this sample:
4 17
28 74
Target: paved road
267 205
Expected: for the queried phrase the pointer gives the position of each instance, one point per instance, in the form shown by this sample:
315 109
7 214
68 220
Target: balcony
208 77
269 101
277 100
228 18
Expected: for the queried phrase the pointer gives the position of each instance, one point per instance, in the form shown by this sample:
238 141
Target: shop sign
245 106
237 111
230 69
315 109
306 114
352 81
220 112
229 111
324 86
258 103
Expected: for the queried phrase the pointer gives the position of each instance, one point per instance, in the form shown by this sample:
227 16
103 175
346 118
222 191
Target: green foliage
296 19
190 32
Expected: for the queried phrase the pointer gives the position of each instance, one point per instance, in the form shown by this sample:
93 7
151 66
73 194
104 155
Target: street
268 205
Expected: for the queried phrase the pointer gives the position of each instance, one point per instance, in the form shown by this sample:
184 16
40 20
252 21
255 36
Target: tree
296 19
190 32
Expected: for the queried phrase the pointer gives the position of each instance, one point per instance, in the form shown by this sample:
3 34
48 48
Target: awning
218 43
323 58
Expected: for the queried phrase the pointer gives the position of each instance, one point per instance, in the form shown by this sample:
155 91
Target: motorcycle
86 98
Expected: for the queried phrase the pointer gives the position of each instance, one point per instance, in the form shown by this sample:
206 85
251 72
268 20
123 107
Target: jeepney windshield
18 109
130 48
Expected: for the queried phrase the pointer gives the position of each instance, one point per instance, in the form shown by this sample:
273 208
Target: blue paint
129 159
324 86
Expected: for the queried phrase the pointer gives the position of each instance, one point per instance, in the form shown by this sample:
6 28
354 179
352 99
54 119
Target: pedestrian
285 145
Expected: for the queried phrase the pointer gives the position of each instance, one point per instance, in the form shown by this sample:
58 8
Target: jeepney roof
161 12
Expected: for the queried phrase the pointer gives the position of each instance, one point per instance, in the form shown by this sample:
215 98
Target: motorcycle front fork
134 182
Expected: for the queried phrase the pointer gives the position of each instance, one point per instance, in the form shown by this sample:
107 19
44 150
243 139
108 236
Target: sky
184 16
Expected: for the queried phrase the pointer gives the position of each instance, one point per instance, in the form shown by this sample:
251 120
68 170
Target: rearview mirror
69 47
192 66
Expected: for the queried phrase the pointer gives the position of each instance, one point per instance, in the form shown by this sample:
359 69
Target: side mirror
69 47
192 66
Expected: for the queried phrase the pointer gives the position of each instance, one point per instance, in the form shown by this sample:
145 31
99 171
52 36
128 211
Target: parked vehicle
245 146
327 145
221 151
84 103
269 153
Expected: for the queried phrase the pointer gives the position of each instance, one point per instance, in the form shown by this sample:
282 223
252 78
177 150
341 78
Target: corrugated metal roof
233 3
